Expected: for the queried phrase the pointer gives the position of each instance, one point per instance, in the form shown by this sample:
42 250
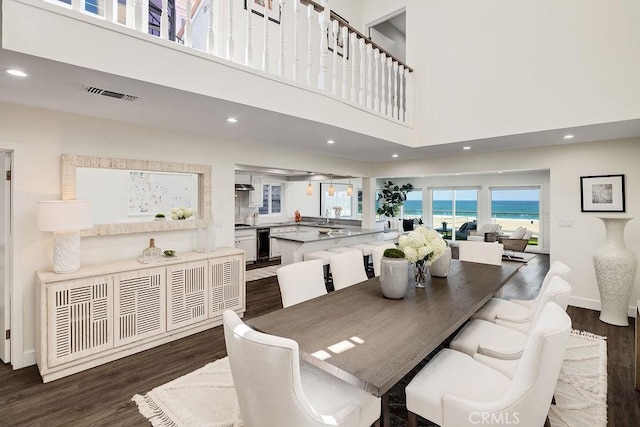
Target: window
412 207
514 207
271 199
455 207
329 203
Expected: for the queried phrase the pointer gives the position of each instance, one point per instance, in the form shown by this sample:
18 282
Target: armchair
517 241
478 235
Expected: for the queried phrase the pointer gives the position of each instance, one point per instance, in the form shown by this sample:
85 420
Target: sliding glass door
451 208
514 207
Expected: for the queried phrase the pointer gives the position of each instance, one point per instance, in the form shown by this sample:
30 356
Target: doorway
390 34
5 254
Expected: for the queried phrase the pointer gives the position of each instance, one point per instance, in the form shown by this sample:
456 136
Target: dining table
372 342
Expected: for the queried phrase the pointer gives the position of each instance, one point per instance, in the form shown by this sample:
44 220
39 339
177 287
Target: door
5 251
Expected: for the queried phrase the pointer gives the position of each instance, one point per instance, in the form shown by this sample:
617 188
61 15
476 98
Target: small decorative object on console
181 213
151 254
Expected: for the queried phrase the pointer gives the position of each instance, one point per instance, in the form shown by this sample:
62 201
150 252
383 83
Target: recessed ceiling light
466 148
331 141
232 120
17 73
569 136
395 156
499 171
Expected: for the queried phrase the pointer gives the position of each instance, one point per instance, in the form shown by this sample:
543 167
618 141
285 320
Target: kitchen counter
293 245
303 223
317 236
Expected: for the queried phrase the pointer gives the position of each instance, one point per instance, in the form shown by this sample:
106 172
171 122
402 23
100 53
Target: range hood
244 187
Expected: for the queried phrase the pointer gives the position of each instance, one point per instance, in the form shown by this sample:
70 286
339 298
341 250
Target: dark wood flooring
102 396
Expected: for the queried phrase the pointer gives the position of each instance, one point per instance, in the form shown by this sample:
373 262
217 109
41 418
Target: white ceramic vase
616 268
394 277
441 266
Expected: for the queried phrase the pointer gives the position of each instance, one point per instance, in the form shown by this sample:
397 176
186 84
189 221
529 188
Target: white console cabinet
108 311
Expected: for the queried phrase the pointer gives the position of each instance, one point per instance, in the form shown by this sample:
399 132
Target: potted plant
159 217
393 197
394 274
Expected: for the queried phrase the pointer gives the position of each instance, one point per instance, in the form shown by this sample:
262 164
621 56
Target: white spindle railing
265 38
355 71
281 62
230 30
248 50
310 15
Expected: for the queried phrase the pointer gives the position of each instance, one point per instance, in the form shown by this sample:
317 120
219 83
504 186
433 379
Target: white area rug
581 393
261 273
206 397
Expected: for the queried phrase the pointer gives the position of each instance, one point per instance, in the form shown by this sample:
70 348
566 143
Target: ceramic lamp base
66 251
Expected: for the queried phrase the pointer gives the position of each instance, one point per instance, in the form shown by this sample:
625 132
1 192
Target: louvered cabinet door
139 305
80 319
227 284
187 291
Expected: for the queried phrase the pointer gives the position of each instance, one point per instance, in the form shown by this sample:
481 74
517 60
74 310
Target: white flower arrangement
422 246
337 209
181 213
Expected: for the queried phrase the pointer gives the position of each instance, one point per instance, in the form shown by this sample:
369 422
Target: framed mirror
138 196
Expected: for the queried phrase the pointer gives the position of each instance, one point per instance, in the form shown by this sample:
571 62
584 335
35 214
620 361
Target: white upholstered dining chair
301 281
495 340
347 269
481 252
517 314
455 390
274 388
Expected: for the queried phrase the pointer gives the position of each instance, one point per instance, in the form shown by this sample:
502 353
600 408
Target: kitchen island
293 245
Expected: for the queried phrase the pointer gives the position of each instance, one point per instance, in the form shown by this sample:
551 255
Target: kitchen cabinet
255 196
246 240
274 249
104 312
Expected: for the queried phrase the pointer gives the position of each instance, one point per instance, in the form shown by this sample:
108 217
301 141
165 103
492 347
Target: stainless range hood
244 187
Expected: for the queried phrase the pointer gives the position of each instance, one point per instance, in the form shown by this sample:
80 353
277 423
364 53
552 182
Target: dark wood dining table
372 342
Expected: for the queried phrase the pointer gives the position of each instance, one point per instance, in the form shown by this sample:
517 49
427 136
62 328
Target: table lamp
65 218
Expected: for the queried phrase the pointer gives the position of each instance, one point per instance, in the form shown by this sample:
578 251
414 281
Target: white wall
45 135
566 164
501 67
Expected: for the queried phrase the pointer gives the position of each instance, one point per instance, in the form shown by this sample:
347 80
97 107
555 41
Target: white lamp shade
64 215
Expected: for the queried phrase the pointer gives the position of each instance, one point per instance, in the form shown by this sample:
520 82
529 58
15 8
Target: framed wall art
602 193
271 6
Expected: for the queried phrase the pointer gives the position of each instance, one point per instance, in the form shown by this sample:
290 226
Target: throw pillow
518 233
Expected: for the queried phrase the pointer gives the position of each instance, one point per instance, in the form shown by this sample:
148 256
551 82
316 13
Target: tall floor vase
616 268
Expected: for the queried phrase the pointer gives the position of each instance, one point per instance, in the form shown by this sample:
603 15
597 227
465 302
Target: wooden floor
102 396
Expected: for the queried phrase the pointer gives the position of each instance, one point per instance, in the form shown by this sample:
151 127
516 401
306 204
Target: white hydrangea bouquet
181 213
422 246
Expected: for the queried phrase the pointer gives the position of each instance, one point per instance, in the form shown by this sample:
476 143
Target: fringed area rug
261 273
581 393
206 397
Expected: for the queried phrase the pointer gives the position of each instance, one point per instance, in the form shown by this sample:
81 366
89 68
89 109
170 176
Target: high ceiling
61 87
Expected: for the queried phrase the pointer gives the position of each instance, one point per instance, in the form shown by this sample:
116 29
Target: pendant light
309 186
332 190
350 188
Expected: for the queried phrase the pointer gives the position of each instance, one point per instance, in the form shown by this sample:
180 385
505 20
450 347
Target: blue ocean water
514 209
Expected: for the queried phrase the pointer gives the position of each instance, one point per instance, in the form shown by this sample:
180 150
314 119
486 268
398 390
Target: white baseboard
594 304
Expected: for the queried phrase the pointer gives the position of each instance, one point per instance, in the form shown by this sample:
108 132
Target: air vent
111 94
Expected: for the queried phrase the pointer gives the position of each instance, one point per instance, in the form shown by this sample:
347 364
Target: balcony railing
300 40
